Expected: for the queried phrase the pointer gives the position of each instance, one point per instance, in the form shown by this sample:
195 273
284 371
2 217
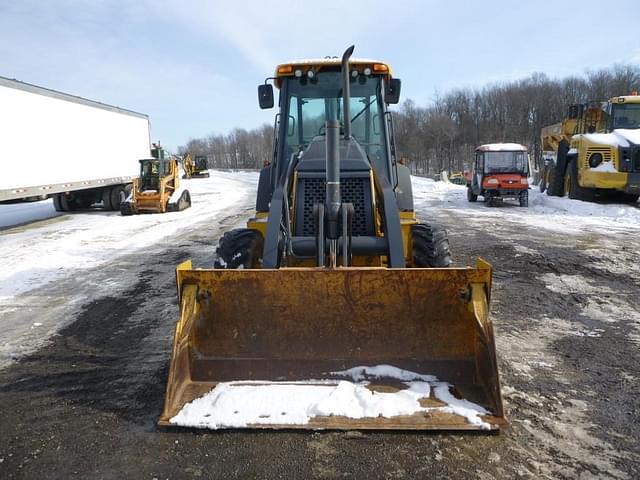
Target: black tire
430 246
126 209
558 171
543 181
106 199
239 248
524 198
576 192
472 197
630 197
185 200
117 196
57 202
66 203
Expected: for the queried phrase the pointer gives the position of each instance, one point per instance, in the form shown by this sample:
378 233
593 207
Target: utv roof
501 147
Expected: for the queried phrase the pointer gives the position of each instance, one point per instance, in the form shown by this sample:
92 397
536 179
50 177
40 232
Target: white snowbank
559 214
239 404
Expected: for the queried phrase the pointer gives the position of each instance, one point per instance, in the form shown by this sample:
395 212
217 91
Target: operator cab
311 94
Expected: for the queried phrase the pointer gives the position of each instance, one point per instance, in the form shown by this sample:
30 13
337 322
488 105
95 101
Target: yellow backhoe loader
157 189
195 166
334 271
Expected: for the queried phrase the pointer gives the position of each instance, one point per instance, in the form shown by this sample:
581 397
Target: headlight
595 159
493 181
524 181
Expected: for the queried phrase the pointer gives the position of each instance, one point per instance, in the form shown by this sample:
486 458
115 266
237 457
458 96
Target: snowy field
554 214
44 247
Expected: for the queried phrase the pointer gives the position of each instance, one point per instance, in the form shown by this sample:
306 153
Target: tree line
444 135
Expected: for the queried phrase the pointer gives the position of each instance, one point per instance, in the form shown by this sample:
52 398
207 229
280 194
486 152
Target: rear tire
472 197
240 248
430 246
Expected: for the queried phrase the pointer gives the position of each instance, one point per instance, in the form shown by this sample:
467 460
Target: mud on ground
565 309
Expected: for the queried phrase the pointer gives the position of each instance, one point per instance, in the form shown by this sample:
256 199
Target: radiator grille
352 190
604 151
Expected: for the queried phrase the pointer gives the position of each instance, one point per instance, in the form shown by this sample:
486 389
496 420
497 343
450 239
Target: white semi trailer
78 151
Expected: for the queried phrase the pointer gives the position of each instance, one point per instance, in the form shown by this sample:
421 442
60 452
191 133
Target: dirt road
565 309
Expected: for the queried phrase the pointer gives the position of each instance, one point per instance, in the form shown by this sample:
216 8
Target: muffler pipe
346 92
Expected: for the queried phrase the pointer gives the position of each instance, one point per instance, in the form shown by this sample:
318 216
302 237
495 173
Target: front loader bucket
296 324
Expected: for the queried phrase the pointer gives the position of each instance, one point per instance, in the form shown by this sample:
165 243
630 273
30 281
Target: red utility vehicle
500 171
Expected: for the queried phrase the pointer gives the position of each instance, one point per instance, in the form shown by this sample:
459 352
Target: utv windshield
505 162
626 115
312 101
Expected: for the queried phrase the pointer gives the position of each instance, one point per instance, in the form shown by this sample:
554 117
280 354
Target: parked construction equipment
500 172
157 189
595 151
334 270
195 166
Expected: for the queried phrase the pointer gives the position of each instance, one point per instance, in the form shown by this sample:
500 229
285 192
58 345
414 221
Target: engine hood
621 137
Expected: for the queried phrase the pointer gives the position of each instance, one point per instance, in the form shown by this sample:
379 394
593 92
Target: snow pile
559 214
604 167
239 404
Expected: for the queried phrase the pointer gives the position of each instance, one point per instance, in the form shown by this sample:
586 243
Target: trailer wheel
106 199
430 246
472 197
66 203
57 203
116 196
524 198
239 248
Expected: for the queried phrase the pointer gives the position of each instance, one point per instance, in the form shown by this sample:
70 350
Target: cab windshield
310 102
626 115
150 173
505 162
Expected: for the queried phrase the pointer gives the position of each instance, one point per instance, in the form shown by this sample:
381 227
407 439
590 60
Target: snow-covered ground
555 214
40 246
45 247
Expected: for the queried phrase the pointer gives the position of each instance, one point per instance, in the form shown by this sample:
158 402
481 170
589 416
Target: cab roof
288 69
626 99
501 147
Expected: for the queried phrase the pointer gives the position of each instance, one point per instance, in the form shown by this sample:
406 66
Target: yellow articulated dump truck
594 152
335 308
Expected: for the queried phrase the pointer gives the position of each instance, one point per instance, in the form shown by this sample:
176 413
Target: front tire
240 248
430 246
472 197
524 198
576 192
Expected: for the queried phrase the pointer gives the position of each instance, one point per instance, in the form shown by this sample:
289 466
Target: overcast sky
193 66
